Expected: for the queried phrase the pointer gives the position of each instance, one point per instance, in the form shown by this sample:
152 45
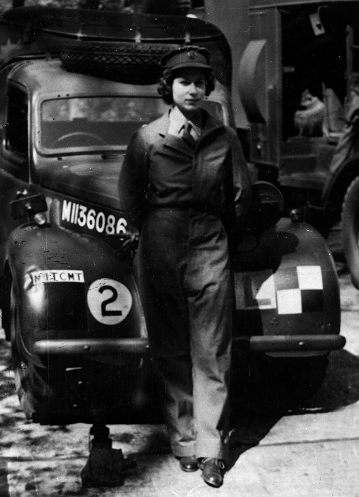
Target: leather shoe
188 463
212 471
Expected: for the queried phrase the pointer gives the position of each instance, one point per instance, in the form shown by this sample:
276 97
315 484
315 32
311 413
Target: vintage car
70 300
70 303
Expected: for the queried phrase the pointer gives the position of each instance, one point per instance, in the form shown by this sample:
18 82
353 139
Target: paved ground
311 452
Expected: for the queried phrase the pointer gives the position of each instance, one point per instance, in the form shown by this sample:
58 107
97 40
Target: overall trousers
185 274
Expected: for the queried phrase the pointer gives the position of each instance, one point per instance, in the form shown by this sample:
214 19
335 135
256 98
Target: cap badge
192 55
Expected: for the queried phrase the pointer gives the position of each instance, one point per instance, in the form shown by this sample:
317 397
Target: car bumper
293 343
92 346
278 343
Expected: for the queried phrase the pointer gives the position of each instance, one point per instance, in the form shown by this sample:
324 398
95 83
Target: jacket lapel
172 144
210 125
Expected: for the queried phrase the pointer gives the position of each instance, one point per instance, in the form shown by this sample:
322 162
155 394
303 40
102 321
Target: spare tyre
135 63
110 44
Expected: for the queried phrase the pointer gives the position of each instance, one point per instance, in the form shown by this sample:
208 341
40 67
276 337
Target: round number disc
109 301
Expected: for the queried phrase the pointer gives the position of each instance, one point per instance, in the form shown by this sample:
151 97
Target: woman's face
189 90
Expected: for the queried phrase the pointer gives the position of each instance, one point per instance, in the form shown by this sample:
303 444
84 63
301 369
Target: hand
129 241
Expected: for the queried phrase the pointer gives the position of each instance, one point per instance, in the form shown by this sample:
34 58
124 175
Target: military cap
186 56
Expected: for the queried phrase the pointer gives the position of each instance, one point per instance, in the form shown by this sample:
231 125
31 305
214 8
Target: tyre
30 388
350 230
117 61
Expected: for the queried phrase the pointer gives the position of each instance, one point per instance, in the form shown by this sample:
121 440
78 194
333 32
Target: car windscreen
100 122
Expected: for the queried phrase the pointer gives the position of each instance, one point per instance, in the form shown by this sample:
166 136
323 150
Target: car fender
67 285
287 291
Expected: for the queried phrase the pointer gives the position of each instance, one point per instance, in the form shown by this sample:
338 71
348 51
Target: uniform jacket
220 178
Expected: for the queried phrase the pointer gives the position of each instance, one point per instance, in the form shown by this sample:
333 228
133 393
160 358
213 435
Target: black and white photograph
179 248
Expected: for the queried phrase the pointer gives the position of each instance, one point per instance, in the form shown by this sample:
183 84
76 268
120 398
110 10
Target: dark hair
165 84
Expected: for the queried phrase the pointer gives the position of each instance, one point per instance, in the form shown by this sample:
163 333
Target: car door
14 153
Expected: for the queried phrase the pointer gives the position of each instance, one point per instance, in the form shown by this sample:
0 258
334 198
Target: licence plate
90 220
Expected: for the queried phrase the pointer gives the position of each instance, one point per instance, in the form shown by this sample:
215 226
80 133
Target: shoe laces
218 462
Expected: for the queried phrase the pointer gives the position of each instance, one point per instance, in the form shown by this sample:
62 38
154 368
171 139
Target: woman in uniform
185 186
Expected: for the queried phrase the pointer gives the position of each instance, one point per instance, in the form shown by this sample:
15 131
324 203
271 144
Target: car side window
17 121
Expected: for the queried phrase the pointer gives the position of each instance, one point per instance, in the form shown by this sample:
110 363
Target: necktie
188 135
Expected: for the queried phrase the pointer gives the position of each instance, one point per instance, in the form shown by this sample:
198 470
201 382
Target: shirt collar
178 120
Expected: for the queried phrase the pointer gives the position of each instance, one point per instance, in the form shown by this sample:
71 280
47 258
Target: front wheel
350 230
30 388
